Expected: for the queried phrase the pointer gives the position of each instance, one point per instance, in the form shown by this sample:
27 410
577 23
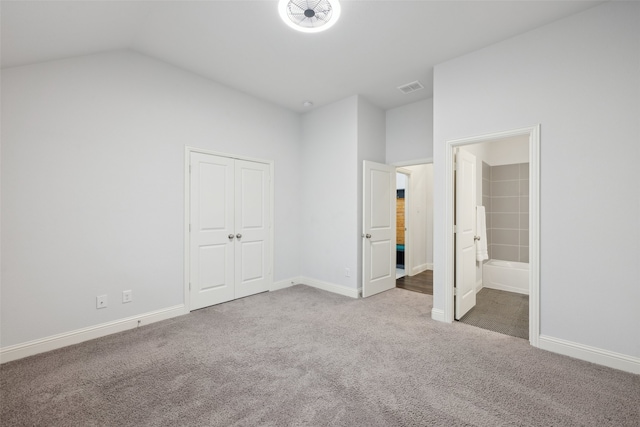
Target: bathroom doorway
502 192
506 279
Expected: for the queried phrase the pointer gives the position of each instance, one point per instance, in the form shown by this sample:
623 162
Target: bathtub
506 276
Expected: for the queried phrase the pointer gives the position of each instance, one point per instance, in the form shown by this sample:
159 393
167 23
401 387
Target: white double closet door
229 248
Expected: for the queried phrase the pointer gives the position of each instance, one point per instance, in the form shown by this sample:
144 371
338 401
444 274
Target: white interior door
230 237
465 217
379 228
212 230
252 224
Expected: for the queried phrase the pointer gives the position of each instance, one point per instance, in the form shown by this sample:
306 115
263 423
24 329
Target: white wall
336 139
409 138
508 151
329 177
92 185
371 146
410 132
428 183
401 181
578 78
420 224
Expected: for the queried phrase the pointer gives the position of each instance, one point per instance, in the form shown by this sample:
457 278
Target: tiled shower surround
505 196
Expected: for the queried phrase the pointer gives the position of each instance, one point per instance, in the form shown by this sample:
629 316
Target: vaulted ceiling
375 47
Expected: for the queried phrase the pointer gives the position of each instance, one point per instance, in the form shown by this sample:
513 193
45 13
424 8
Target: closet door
230 237
212 234
252 223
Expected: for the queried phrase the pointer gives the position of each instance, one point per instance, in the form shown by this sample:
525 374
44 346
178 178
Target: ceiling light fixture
307 104
309 16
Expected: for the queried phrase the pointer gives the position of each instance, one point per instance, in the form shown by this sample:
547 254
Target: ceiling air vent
411 87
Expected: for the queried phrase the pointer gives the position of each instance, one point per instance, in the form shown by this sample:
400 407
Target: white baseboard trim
507 288
331 287
478 286
590 354
437 314
18 351
282 284
419 269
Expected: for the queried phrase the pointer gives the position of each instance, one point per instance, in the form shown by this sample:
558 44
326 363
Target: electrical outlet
347 272
127 296
101 301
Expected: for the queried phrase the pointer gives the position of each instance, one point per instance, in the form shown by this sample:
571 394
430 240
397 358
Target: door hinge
455 291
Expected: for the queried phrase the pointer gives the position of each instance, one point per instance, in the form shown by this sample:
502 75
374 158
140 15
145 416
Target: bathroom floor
500 311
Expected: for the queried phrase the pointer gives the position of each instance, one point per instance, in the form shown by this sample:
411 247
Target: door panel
252 195
465 274
381 193
252 212
211 218
379 254
379 228
213 196
212 267
252 271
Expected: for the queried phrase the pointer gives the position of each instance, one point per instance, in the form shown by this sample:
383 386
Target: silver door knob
230 236
238 235
368 236
476 238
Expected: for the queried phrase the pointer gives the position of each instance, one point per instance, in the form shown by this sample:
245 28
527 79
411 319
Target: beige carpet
305 357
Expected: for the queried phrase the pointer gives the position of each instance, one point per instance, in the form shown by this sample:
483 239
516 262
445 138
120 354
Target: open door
379 228
465 226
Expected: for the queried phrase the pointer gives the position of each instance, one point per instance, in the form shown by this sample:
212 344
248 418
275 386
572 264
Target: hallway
422 282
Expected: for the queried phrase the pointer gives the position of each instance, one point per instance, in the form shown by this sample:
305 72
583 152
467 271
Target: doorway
415 252
403 176
379 224
531 135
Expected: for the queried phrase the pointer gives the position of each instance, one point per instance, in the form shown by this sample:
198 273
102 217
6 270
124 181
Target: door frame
533 133
187 213
419 162
408 266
